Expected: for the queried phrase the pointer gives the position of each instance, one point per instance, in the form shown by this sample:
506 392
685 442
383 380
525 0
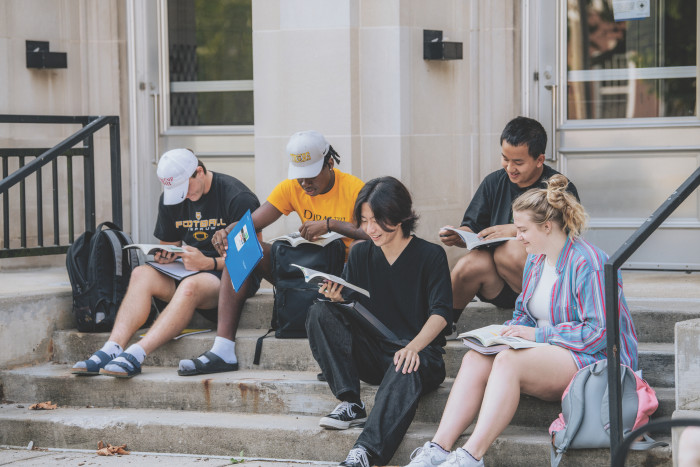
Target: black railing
611 303
42 157
661 424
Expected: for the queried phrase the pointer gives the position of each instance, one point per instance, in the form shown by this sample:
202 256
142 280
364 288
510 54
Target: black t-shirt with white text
195 222
405 294
493 200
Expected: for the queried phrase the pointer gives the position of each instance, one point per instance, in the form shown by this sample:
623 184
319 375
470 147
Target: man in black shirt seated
495 275
408 280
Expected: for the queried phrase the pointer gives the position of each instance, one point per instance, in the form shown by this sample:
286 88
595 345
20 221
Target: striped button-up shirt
577 304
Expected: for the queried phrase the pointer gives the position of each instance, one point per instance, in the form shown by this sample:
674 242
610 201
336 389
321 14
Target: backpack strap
648 443
118 267
258 347
573 406
555 456
108 224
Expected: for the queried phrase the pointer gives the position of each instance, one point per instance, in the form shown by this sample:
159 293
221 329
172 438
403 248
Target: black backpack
293 295
99 272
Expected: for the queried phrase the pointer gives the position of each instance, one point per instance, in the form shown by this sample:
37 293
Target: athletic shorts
505 299
212 314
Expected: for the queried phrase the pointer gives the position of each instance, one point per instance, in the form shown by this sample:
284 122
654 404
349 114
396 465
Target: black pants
348 353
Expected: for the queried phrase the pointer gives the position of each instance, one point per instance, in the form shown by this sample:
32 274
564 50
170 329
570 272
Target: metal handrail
661 424
84 135
611 302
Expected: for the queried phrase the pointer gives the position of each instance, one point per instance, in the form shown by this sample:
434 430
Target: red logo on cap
167 181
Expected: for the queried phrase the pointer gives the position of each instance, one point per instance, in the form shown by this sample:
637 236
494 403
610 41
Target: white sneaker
461 458
427 456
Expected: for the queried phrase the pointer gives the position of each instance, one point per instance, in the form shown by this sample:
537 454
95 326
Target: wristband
328 224
215 265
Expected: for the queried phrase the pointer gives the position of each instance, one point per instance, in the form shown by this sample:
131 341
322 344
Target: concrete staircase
272 410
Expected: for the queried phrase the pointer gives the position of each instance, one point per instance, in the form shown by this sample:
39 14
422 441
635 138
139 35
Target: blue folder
244 251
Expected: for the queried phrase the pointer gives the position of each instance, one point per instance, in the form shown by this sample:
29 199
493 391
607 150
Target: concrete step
246 391
269 436
654 318
295 354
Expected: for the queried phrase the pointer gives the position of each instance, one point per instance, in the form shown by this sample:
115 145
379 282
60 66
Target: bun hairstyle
390 202
554 204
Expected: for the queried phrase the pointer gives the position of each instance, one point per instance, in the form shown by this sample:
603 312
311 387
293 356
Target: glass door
193 62
622 101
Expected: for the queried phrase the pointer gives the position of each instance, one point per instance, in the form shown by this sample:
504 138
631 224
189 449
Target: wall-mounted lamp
38 56
435 49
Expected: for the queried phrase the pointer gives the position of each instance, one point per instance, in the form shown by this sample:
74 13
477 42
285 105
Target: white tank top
540 303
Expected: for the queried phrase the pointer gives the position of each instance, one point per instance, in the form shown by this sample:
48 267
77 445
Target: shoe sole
83 372
333 424
117 374
233 367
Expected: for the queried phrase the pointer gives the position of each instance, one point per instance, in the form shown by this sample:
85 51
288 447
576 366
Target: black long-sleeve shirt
405 294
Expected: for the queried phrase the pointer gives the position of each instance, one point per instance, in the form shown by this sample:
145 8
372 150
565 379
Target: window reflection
631 69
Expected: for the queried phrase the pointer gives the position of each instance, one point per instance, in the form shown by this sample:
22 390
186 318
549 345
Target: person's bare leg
465 398
231 302
543 372
197 291
475 272
509 259
689 447
145 283
229 312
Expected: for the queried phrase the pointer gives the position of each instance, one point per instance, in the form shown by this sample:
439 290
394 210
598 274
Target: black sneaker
357 457
345 415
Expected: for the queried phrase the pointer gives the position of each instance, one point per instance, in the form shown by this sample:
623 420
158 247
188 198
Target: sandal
131 371
215 365
92 368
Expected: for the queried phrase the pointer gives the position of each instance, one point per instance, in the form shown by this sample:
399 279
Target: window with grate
210 48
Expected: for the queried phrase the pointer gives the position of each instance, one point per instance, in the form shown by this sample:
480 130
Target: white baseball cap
306 150
175 168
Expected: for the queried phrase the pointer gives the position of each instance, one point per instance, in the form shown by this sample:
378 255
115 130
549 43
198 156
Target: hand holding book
492 339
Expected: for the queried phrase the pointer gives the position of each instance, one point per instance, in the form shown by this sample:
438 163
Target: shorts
505 298
212 314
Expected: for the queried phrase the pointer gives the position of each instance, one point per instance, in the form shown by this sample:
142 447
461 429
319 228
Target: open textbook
176 269
474 241
151 249
313 276
295 238
488 340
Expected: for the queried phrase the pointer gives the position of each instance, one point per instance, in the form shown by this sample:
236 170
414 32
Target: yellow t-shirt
337 204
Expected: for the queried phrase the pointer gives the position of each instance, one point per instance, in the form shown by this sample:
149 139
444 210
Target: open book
474 241
176 269
295 238
313 276
151 249
488 341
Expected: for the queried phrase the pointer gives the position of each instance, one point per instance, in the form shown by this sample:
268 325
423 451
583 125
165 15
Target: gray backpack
585 418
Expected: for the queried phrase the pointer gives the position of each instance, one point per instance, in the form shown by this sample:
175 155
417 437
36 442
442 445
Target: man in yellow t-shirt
322 196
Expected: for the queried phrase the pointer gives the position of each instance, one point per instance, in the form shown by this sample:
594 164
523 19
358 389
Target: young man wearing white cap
322 196
195 204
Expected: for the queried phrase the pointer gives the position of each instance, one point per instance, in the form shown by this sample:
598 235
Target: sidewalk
21 457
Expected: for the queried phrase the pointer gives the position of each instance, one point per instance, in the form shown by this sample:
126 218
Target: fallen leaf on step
110 450
43 406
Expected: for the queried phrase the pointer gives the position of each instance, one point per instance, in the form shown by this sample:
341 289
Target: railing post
115 159
612 326
89 182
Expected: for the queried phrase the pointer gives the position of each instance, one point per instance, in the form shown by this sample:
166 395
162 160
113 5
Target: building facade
232 79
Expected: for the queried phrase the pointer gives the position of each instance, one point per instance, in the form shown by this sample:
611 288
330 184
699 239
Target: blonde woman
562 303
